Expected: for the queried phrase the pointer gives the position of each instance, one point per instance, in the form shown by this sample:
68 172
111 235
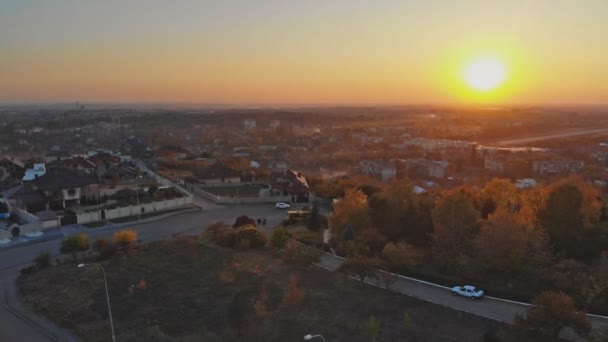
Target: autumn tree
124 238
401 255
394 210
350 213
551 313
74 244
279 237
498 194
455 222
243 220
571 208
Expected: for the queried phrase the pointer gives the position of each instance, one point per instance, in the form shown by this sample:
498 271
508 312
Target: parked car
468 291
282 205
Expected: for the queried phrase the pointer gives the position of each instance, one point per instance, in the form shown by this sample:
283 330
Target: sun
484 74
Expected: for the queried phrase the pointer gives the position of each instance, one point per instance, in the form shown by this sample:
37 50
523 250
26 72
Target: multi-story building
549 167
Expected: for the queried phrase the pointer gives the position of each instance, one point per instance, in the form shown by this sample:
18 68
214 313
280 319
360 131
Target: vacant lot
186 291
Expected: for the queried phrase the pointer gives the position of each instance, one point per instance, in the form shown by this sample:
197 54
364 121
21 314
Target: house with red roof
291 183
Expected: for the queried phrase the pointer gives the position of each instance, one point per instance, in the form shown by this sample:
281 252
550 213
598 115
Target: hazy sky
313 51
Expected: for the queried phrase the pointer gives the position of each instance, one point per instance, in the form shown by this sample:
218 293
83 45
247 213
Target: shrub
100 244
249 237
279 238
124 238
212 230
243 220
74 244
105 248
43 260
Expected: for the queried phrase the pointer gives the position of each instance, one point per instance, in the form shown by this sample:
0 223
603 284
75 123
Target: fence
132 210
24 216
235 200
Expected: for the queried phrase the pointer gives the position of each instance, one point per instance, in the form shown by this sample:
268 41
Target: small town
323 171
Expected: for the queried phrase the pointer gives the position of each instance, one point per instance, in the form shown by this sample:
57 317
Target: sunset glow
300 52
484 74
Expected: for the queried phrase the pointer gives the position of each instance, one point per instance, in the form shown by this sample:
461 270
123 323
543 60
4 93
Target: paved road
552 136
489 307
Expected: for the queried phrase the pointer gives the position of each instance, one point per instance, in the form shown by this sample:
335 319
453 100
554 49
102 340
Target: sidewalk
48 329
59 233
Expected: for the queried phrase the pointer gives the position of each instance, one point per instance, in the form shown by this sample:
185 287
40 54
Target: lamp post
310 337
138 208
107 295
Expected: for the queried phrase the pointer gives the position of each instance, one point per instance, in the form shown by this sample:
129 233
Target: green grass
194 292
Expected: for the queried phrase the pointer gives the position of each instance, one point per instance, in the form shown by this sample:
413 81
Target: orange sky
300 52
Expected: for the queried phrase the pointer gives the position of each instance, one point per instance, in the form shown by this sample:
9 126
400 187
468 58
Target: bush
124 238
105 248
74 244
225 238
249 237
43 260
294 253
243 220
279 238
212 230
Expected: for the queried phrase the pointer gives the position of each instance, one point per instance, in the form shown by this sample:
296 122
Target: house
58 188
76 163
56 155
249 123
36 171
552 167
14 166
171 152
137 147
384 170
277 164
291 183
218 173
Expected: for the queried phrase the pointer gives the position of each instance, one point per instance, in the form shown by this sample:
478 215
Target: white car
467 291
282 205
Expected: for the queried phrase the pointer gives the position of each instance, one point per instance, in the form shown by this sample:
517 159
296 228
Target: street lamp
107 295
310 337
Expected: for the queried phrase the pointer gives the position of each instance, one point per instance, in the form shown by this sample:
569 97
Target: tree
43 260
74 244
551 313
373 239
279 238
351 211
243 220
249 237
314 221
502 193
373 328
455 222
124 238
362 267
